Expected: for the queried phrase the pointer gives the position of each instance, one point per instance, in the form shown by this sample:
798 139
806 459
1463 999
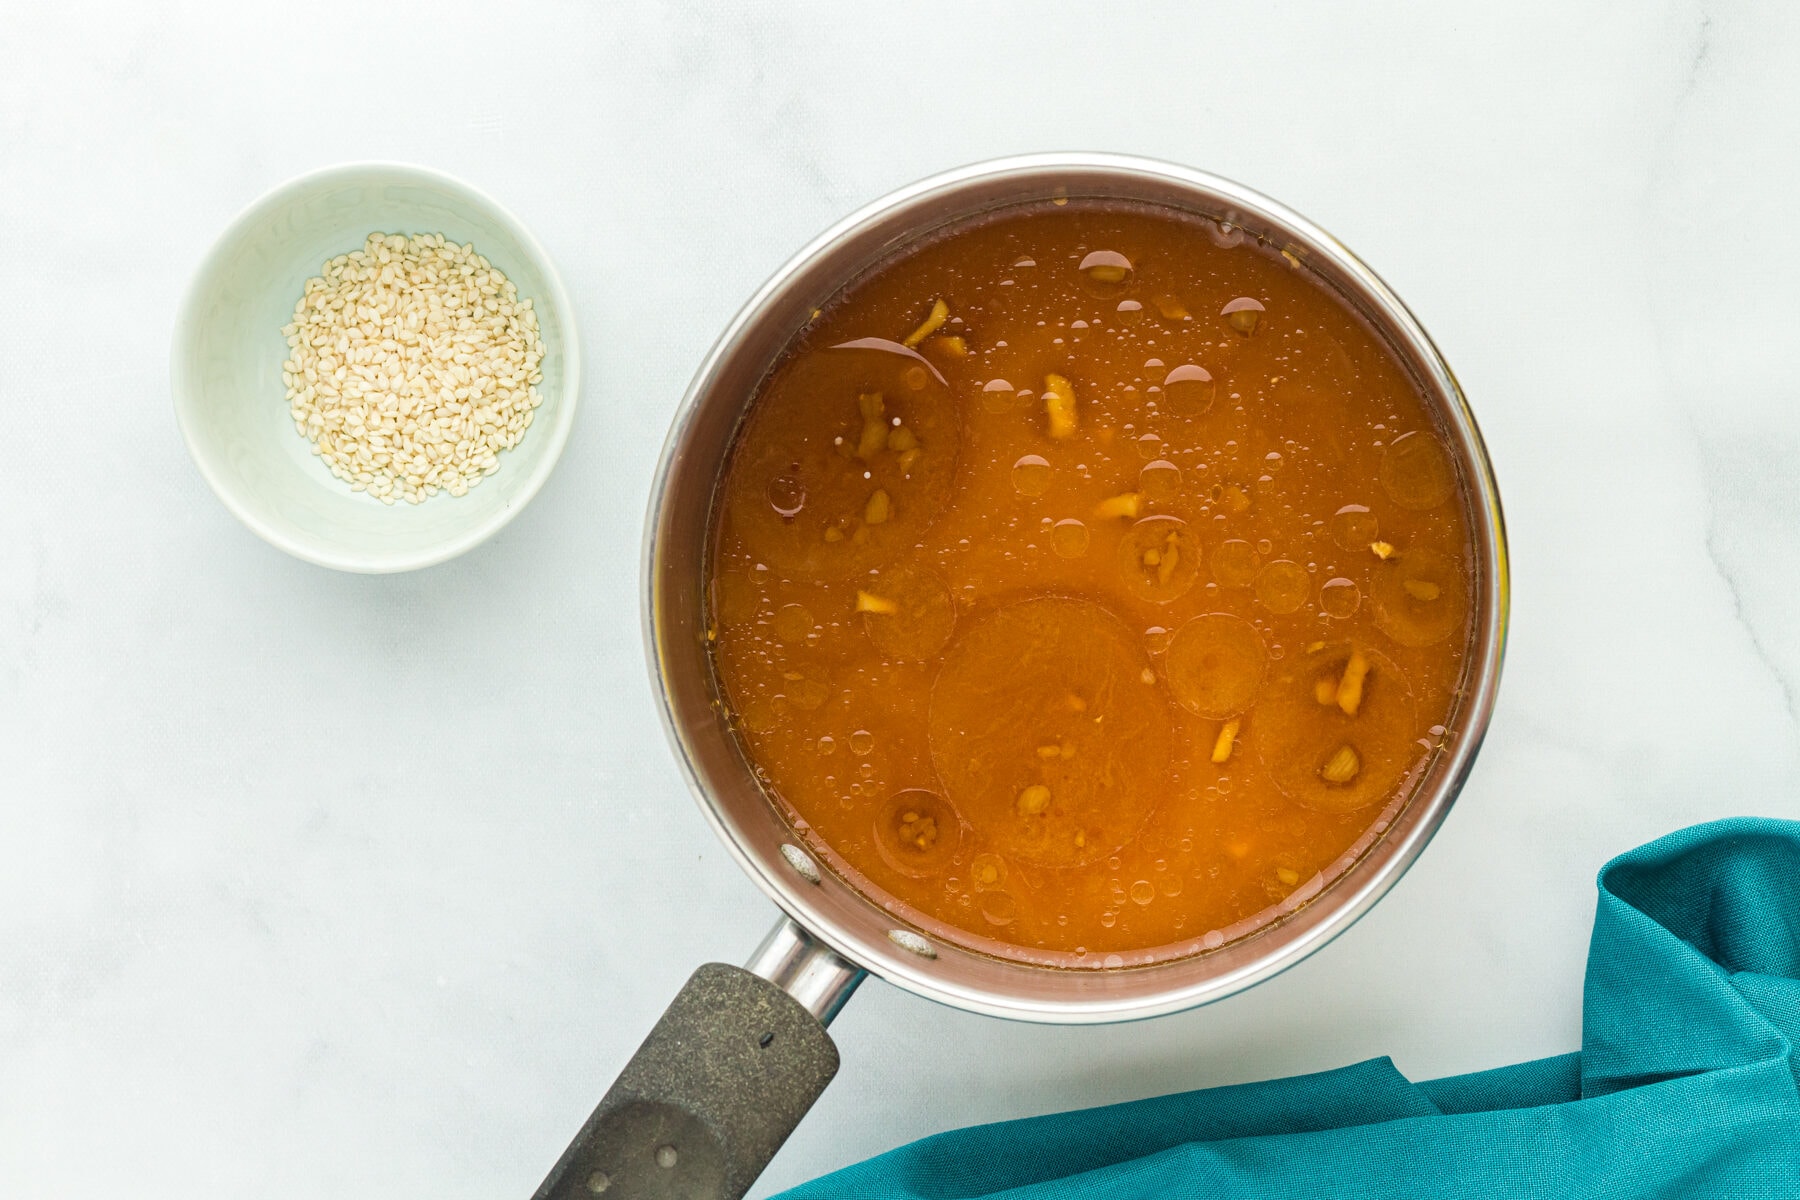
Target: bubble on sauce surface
1060 672
1354 527
794 623
787 495
802 481
1159 480
1216 665
1416 472
1282 586
758 716
1142 892
1149 445
1069 538
1223 234
862 742
917 833
1159 558
1031 475
804 692
1419 597
997 395
1242 314
987 871
1190 390
1234 563
911 360
1302 729
924 613
1340 598
1107 267
998 908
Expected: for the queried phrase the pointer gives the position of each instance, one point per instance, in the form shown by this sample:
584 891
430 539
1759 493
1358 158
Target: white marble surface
317 885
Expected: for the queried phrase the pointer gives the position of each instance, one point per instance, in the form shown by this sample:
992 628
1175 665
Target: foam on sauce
1090 584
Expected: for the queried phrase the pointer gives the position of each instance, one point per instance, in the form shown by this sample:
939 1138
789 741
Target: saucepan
743 1052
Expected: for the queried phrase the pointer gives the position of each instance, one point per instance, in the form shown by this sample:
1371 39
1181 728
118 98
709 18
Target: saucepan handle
735 1062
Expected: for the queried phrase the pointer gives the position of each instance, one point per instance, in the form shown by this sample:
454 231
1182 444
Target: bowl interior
229 351
676 554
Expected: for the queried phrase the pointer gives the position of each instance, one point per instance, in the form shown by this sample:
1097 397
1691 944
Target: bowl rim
1359 889
183 386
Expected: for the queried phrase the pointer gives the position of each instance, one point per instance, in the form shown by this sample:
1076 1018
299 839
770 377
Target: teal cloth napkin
1684 1084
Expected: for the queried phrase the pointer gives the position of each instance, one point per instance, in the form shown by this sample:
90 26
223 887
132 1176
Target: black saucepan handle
706 1101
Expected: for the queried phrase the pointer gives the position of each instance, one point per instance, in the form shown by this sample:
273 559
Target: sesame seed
413 365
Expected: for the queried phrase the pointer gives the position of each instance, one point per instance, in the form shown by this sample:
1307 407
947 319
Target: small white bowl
225 368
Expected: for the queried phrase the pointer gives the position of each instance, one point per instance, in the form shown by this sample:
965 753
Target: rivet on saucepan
802 862
906 939
666 1157
598 1182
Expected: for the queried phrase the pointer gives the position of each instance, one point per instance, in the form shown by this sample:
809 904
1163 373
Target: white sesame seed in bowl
375 367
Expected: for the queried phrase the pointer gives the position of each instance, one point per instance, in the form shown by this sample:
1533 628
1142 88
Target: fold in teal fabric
1684 1084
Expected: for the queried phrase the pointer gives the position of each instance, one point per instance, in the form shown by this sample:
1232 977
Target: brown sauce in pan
1089 584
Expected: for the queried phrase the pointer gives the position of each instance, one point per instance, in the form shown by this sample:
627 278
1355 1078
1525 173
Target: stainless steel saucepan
742 1053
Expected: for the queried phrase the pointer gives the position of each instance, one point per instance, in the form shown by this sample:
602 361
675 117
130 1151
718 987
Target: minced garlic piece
1422 589
1171 555
1325 690
1350 687
868 602
901 439
1227 737
1341 767
1126 504
874 430
939 312
1287 875
918 830
878 509
1382 549
1059 406
1034 800
952 345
